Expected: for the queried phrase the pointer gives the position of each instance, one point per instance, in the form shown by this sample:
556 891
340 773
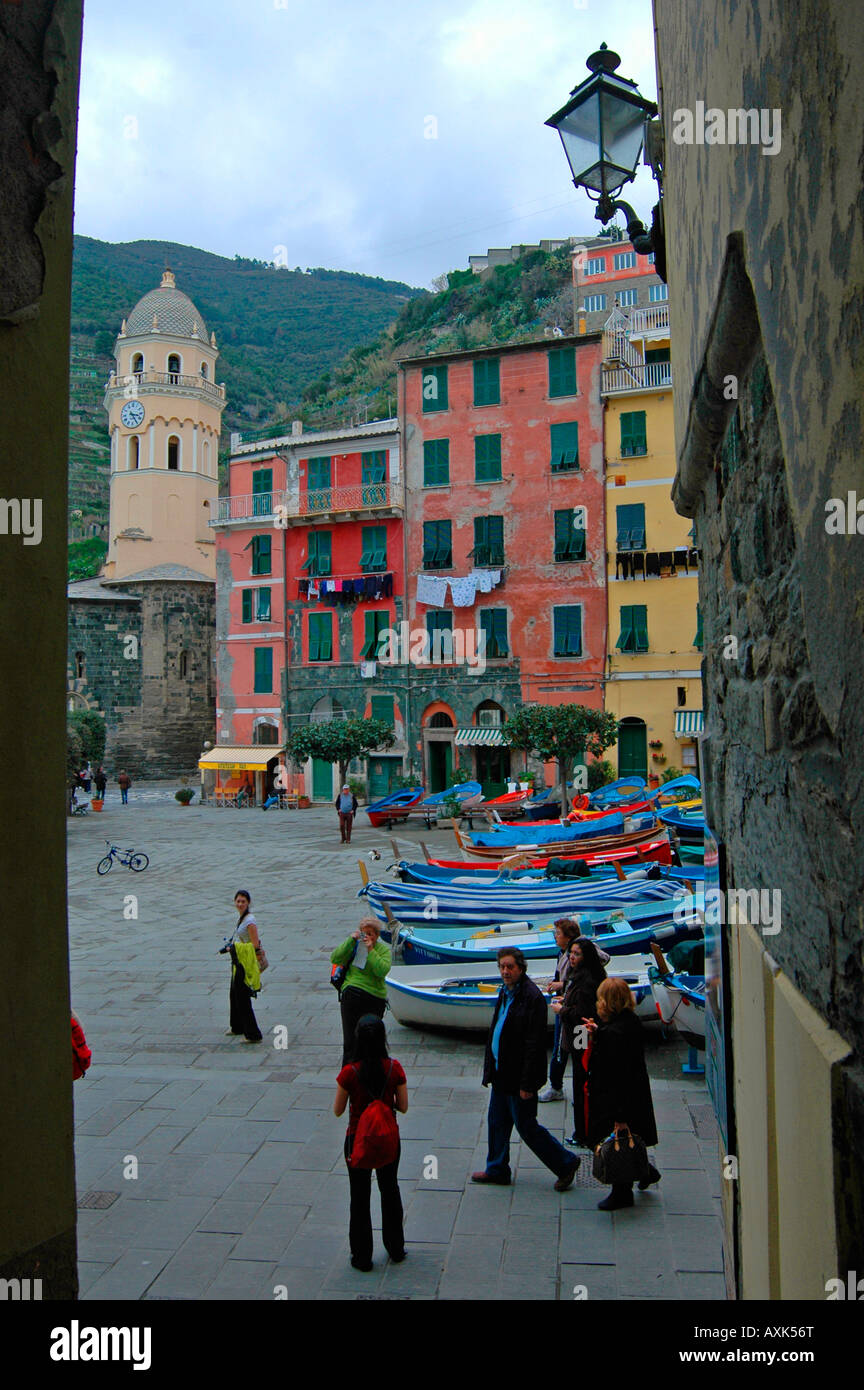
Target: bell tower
164 418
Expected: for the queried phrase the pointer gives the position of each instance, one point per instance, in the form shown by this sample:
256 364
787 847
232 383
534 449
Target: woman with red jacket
81 1054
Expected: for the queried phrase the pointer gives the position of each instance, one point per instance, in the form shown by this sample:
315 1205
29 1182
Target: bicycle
128 857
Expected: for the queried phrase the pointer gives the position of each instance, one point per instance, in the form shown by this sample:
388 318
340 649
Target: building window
439 628
593 302
624 260
487 458
80 666
204 371
436 462
173 452
564 440
262 605
596 266
376 623
682 695
318 484
440 721
248 605
562 372
630 527
261 558
657 294
319 559
373 552
262 492
434 389
183 665
487 381
320 636
488 540
493 628
138 364
627 298
569 539
263 670
437 545
173 369
373 476
633 636
383 708
134 450
265 733
634 439
697 640
568 630
650 258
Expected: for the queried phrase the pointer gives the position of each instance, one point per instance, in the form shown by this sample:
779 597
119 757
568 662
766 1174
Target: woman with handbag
619 1096
579 1001
240 995
362 988
372 1077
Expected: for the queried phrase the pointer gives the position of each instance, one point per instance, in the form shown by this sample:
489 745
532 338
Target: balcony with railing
320 504
621 377
138 383
653 318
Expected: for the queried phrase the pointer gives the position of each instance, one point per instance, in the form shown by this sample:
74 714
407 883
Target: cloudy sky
381 136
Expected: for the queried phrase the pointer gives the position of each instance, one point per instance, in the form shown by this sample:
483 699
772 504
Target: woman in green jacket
363 989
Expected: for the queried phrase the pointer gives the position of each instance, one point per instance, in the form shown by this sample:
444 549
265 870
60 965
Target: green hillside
276 330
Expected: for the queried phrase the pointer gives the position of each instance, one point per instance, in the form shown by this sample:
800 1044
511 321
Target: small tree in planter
184 796
567 733
340 740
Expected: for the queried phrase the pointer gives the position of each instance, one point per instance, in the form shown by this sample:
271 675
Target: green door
632 748
262 492
384 773
440 766
322 780
493 770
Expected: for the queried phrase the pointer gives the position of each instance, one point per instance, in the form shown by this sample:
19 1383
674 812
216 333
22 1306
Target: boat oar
619 871
426 854
662 963
364 872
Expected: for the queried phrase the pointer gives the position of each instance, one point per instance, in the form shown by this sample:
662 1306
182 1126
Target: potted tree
184 795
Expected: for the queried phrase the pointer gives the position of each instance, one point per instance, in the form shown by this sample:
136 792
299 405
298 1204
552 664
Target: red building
504 474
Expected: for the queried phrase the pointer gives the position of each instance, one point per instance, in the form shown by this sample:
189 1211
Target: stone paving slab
242 1192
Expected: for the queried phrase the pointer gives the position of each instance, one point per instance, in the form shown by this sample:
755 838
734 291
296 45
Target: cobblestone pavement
241 1190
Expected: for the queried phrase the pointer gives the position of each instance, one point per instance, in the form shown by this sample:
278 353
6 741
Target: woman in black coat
578 1002
619 1092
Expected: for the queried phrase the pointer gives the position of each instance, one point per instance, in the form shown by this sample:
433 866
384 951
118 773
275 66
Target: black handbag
338 972
621 1158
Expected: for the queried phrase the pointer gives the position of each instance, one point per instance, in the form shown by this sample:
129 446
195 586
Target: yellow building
654 643
164 418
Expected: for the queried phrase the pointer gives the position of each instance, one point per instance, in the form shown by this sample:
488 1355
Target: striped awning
688 723
477 735
240 757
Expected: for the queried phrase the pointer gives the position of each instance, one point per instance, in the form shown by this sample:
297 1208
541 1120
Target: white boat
679 1000
444 996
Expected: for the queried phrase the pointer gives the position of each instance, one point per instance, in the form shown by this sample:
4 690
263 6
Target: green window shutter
487 381
437 545
697 640
562 372
487 458
488 540
626 640
640 627
373 548
262 492
373 476
493 626
377 621
247 605
319 561
630 527
263 670
262 605
568 630
633 434
569 539
318 475
320 636
564 446
382 708
440 621
436 462
434 389
261 561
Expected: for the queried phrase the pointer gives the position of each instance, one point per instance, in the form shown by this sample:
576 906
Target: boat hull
536 940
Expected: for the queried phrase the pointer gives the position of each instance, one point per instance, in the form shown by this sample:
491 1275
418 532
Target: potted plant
452 811
303 802
97 803
655 743
184 796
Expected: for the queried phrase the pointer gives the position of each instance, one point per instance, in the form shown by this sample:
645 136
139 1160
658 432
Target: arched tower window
183 665
173 452
206 455
204 370
173 369
134 446
138 363
80 664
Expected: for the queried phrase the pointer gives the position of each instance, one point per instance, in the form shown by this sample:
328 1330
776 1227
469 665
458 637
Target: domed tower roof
169 311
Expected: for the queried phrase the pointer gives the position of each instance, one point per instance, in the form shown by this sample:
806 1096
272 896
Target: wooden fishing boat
435 996
577 841
502 874
394 807
679 999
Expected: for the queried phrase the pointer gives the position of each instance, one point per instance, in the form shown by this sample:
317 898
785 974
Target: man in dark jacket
346 805
515 1068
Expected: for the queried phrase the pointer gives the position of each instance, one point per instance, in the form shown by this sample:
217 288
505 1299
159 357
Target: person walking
579 1001
86 777
100 781
346 805
363 989
515 1068
619 1092
124 782
372 1076
565 930
242 1017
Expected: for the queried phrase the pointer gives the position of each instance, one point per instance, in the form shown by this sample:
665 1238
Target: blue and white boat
679 999
461 791
501 877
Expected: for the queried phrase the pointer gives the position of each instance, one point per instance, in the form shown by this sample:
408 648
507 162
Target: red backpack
376 1138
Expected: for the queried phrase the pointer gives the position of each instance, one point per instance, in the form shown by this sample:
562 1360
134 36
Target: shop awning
240 757
476 735
688 723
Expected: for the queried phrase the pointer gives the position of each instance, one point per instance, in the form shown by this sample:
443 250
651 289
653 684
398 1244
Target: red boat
655 847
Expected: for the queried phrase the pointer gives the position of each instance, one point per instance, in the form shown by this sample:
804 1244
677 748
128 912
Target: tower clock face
132 414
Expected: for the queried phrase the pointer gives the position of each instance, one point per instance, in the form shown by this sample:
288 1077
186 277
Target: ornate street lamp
603 129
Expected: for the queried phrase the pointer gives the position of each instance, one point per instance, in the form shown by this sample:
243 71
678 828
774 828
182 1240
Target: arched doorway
632 748
439 732
492 756
324 774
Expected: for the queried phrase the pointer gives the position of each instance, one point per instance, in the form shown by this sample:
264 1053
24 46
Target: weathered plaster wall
39 78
